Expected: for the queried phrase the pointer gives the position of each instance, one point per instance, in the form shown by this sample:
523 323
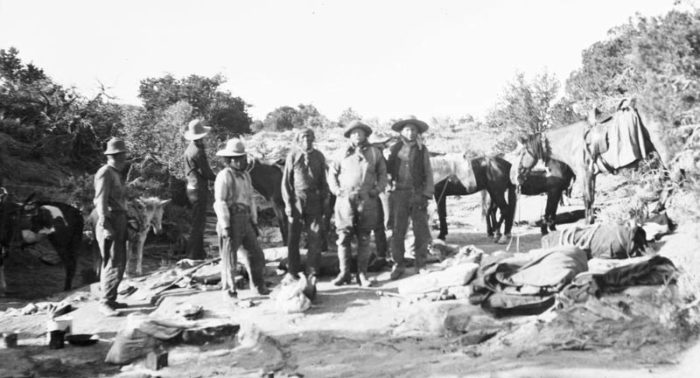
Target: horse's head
153 208
531 149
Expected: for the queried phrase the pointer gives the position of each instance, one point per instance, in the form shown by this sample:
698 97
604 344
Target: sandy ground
348 332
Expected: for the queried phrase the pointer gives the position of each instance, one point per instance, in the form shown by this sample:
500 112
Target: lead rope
444 188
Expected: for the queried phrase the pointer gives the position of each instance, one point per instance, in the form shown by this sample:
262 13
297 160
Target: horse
554 181
143 214
454 175
27 223
583 148
267 180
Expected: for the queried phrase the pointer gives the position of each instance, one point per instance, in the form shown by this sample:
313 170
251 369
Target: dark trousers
199 199
113 252
405 204
311 223
243 243
356 216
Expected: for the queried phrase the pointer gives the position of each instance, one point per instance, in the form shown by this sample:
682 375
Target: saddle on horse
617 141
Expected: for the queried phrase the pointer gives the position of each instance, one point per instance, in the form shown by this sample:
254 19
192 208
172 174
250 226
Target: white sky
382 58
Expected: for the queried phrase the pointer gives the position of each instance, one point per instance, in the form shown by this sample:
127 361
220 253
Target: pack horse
27 223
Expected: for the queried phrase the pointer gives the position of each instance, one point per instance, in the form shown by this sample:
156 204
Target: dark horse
23 224
583 148
554 182
267 180
483 173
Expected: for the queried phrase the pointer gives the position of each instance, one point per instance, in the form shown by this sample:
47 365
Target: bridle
537 146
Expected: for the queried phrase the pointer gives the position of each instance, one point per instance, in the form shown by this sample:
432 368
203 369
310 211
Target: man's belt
239 208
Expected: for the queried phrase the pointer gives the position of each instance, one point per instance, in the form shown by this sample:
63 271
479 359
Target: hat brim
225 153
192 136
422 126
367 129
113 152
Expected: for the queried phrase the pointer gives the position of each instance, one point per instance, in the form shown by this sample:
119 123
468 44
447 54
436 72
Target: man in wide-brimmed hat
412 178
237 219
198 174
356 177
110 230
305 193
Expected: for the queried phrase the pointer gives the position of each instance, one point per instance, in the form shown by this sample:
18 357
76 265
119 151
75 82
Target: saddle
597 143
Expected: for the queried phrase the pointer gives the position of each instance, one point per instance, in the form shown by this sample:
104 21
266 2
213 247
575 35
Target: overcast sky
384 59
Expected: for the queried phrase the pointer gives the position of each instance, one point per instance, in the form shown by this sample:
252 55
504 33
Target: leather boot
420 263
344 265
363 281
396 271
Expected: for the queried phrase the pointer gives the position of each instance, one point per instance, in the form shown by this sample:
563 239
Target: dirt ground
348 332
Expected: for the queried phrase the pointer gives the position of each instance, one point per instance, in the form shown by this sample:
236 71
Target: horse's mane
537 146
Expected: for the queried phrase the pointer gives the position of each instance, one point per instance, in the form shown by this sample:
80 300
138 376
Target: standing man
305 193
356 178
412 178
237 220
198 175
110 230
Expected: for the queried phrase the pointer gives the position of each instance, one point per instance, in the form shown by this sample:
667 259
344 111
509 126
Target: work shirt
110 192
197 170
304 172
358 169
409 168
232 188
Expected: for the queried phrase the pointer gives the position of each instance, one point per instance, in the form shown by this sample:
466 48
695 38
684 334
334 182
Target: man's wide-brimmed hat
196 130
115 146
420 125
354 125
234 147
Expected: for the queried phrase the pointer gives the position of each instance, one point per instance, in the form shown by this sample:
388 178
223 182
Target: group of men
356 177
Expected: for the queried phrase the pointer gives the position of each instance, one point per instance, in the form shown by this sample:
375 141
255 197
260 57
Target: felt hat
196 130
354 125
420 125
115 146
234 147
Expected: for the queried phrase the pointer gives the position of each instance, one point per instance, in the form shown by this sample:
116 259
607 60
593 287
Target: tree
656 60
228 115
282 118
59 121
309 116
348 115
524 107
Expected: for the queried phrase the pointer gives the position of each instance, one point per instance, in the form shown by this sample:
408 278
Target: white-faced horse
143 214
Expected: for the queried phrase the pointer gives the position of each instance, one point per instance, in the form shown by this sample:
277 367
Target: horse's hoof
441 237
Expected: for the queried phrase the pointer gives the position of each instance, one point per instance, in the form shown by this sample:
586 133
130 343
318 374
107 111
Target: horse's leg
589 194
3 284
500 201
441 208
139 251
510 206
69 256
486 211
554 195
282 221
130 245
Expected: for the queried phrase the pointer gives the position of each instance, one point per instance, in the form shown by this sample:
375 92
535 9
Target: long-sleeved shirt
110 192
232 187
358 169
197 169
303 171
